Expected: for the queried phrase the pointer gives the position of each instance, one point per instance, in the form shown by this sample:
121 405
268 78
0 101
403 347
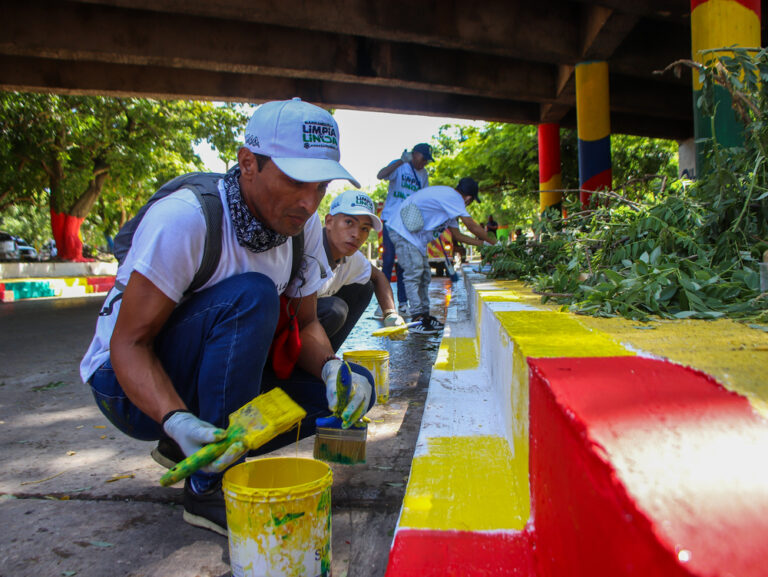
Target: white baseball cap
301 139
355 202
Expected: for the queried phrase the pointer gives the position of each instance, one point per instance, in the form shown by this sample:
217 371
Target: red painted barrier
626 474
421 553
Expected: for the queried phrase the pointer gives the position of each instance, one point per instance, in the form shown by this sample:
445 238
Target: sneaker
436 322
402 309
167 453
206 510
378 314
425 328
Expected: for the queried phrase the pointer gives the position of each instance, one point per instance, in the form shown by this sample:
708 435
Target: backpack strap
213 212
297 254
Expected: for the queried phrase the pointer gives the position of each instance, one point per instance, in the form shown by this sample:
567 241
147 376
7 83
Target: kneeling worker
343 298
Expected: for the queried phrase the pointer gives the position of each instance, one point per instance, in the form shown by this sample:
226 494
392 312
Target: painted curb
554 446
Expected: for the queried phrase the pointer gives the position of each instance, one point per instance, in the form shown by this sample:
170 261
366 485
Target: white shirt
403 182
353 269
167 248
440 208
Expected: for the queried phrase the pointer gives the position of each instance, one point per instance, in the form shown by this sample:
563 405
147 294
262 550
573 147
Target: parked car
26 251
8 250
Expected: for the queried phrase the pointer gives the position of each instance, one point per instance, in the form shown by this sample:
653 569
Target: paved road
82 499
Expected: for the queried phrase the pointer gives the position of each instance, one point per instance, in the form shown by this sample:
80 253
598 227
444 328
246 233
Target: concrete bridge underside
504 60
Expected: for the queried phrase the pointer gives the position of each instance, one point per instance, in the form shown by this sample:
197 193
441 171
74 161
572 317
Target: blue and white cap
355 202
301 139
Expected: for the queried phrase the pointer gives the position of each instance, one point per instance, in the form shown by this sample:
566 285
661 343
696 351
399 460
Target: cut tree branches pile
691 251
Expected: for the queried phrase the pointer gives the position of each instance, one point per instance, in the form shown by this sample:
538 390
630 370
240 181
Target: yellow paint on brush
732 353
467 484
457 354
543 334
720 23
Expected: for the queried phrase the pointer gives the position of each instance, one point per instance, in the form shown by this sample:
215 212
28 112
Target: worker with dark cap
406 175
422 217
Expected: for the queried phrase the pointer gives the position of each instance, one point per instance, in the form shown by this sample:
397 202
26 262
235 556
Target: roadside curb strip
549 447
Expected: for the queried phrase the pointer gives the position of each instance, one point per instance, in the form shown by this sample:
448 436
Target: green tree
81 152
503 158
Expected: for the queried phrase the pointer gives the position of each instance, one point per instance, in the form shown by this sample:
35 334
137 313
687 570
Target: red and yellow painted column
716 24
550 179
594 128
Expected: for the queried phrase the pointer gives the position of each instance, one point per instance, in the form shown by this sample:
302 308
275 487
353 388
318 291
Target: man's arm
389 169
475 229
383 290
315 346
143 313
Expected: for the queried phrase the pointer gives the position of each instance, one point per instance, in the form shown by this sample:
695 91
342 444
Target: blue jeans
388 260
214 348
416 275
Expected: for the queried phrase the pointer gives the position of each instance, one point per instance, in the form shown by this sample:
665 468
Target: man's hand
360 392
392 319
191 433
406 157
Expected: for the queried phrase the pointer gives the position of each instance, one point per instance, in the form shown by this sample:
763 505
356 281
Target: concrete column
715 24
550 178
594 128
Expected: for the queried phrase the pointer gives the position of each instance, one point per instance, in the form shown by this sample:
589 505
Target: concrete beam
494 26
21 73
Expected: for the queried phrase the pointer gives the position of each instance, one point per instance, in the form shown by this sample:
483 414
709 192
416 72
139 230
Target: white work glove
360 392
392 319
406 157
192 434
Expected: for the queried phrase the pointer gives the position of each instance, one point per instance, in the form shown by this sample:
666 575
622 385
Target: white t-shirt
167 248
403 182
440 207
353 269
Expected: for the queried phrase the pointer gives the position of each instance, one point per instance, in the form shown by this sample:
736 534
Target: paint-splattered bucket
279 517
378 363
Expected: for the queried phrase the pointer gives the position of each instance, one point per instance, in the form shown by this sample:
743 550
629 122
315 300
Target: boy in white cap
343 298
171 360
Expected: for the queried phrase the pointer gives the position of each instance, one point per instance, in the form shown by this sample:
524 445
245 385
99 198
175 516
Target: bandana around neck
250 233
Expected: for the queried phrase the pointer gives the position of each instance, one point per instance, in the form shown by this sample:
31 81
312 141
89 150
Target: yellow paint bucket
378 363
279 517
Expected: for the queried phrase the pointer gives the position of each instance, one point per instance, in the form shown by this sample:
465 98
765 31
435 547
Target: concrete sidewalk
79 498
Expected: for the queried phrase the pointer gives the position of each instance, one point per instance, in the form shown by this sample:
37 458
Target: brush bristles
340 446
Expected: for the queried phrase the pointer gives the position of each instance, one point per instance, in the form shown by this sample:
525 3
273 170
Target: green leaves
54 148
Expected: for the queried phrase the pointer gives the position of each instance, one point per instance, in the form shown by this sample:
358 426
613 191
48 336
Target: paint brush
333 443
253 424
389 331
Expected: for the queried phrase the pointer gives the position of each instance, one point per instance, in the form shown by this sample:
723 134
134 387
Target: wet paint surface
457 354
460 553
734 354
446 492
633 471
659 468
550 334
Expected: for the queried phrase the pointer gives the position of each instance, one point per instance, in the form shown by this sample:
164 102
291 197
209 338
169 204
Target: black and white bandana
250 233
